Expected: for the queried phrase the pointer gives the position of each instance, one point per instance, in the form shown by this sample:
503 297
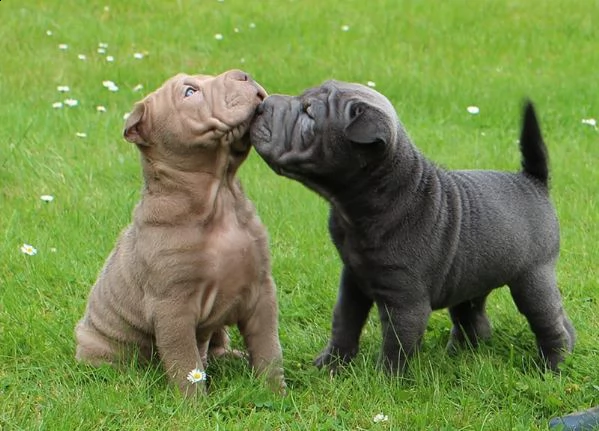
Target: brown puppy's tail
535 160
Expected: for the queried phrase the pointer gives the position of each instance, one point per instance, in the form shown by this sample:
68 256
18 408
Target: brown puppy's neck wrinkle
222 187
172 195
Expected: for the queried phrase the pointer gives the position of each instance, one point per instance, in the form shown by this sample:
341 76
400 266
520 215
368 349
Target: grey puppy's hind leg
537 297
470 324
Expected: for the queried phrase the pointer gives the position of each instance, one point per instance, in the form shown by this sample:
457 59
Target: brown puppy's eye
189 91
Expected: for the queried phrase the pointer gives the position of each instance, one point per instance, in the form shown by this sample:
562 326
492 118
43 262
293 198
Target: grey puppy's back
499 216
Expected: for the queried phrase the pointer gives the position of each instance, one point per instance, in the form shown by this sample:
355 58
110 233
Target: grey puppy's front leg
403 327
349 317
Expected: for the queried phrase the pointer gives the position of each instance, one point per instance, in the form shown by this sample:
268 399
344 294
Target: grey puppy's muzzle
272 127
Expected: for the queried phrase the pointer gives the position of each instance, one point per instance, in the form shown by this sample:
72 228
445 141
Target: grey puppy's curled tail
535 159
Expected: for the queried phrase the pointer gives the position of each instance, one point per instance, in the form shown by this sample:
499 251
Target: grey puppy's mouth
259 130
271 136
260 133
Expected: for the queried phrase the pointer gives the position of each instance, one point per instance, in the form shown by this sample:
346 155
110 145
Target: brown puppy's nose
238 75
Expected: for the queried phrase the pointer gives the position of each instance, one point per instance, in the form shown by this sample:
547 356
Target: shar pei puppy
195 258
414 237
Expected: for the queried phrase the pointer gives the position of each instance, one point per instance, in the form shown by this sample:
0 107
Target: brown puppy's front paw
272 375
276 383
220 352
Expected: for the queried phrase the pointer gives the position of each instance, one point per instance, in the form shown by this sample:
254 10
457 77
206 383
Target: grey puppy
413 237
195 257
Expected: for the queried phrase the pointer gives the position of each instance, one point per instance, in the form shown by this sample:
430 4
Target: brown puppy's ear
132 131
367 124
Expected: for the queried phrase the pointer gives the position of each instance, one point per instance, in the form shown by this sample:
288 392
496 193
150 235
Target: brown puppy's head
196 122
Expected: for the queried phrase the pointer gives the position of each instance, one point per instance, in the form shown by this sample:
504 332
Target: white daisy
590 121
138 87
81 57
252 25
81 134
57 105
109 58
196 375
473 110
63 88
100 108
236 30
111 86
345 28
63 46
371 84
101 51
126 115
71 102
102 45
138 55
218 36
380 418
47 198
49 32
28 249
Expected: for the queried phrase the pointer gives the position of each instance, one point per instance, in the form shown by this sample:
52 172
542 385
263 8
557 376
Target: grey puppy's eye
355 110
189 91
309 110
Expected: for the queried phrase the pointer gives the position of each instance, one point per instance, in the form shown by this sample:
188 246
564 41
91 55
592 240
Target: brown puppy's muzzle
239 75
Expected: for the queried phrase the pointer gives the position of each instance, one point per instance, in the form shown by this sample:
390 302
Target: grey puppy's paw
333 358
554 351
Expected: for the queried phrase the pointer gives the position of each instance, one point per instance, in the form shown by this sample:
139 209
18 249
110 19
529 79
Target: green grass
431 58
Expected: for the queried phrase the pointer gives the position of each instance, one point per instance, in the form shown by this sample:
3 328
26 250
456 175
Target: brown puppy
195 257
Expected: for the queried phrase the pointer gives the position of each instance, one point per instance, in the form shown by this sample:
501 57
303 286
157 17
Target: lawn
432 59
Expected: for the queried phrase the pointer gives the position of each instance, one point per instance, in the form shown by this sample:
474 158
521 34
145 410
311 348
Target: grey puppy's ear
367 124
132 131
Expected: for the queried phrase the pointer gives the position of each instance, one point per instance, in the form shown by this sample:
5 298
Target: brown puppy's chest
214 270
236 257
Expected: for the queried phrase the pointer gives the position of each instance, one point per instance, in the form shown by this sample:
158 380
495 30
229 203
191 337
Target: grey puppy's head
326 136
